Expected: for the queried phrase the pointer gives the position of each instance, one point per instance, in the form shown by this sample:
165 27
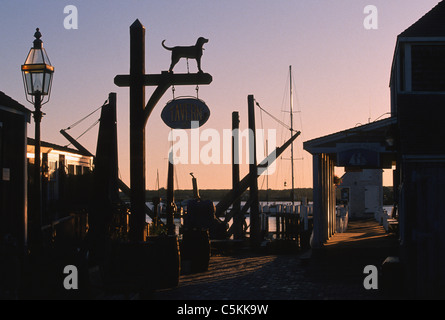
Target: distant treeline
218 194
264 195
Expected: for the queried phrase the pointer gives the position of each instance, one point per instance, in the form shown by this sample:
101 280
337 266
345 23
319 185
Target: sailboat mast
157 182
292 131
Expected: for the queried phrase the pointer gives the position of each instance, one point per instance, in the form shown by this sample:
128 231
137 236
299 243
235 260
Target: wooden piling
170 197
255 226
137 131
238 219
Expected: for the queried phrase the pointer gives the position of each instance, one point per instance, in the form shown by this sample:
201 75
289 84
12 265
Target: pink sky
340 69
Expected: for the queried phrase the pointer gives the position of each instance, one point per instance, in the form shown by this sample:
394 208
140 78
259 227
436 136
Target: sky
340 69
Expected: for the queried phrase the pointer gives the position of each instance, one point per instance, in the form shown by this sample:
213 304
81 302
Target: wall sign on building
359 155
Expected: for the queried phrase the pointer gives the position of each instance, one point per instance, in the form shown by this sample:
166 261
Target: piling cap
137 25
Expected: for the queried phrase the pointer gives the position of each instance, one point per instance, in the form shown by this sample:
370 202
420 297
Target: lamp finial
37 41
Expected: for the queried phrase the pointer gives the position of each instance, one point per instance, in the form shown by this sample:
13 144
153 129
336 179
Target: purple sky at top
340 70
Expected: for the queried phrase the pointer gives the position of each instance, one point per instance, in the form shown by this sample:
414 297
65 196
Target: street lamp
37 73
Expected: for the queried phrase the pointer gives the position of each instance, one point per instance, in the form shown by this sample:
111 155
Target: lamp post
37 73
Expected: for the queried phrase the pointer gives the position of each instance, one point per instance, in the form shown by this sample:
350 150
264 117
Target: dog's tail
166 46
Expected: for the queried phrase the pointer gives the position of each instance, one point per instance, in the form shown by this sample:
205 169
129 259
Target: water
272 220
263 204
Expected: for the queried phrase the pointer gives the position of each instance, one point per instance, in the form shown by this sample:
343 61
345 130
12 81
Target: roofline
17 111
393 64
11 105
54 146
310 144
429 15
420 39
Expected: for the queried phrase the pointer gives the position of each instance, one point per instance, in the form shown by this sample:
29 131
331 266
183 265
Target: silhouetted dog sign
191 52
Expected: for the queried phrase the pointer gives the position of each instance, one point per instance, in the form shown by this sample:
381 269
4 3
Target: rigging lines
84 118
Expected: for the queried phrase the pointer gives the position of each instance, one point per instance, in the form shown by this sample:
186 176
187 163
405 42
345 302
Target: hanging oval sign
185 113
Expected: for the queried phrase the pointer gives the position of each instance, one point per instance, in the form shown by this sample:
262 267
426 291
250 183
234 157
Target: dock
334 272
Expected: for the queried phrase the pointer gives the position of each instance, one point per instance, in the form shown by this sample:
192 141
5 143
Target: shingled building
412 142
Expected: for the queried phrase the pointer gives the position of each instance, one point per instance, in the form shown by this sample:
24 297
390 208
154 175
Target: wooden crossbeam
166 77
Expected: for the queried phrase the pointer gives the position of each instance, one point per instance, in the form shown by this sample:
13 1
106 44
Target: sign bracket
164 81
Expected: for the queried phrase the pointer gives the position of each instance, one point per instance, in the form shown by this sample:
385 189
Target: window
52 170
428 68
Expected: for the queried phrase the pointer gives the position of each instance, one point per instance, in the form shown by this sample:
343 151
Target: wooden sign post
137 80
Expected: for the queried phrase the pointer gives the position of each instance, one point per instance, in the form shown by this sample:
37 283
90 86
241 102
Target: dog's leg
198 61
175 60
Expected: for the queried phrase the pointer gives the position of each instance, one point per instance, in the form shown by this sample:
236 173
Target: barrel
130 267
144 266
167 261
305 234
195 250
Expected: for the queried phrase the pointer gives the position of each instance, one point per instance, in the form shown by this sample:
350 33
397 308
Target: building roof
374 132
51 146
373 136
7 101
432 24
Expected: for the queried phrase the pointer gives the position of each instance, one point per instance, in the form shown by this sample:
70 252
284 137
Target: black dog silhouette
191 52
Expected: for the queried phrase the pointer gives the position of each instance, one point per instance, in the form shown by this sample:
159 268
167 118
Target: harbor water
266 207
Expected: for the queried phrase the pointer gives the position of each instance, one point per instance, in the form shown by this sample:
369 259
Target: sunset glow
340 57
